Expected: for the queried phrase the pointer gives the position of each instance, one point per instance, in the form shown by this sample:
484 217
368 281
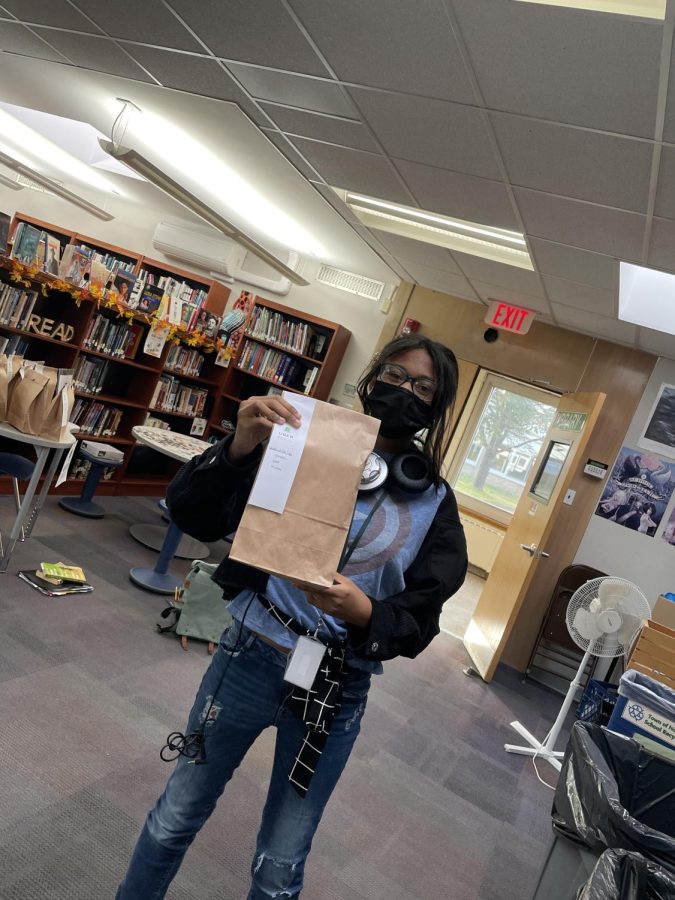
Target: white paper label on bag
63 474
282 458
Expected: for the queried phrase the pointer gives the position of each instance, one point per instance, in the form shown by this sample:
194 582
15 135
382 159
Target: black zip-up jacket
207 499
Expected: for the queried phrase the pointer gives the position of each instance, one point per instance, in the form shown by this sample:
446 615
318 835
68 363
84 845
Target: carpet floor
429 807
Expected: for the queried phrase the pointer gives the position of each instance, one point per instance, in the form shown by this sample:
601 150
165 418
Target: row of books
35 247
177 300
96 418
80 468
16 305
115 338
171 395
277 366
276 328
16 345
90 375
184 361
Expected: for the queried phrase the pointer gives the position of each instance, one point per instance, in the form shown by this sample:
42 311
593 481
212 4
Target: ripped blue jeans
250 699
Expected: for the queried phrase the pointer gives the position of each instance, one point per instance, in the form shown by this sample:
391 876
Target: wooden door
524 544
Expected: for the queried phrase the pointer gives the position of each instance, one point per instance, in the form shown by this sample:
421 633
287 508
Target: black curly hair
446 373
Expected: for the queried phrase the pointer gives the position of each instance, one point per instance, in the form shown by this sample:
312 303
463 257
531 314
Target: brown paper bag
55 425
30 399
305 542
9 369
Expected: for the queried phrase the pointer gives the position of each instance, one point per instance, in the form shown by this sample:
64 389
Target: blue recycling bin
645 707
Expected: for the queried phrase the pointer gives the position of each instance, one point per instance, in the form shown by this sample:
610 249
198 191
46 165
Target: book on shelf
208 324
16 345
26 241
290 334
123 286
5 223
74 265
16 305
53 255
90 375
277 366
114 338
99 275
96 418
150 299
184 360
171 395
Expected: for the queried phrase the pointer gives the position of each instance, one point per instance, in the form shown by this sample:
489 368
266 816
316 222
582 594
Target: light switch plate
569 497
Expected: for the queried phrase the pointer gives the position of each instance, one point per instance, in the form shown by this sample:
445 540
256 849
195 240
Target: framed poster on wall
659 431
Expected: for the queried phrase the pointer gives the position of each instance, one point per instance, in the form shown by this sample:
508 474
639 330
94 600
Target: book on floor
49 589
63 571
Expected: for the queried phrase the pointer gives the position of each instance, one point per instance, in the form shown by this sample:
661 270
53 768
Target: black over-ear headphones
409 471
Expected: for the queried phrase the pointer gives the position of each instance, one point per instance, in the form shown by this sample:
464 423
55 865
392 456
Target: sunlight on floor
458 610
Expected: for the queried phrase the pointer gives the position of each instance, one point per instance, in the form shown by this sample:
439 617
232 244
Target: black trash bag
619 875
613 794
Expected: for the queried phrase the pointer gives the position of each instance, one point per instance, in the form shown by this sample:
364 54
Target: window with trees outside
501 441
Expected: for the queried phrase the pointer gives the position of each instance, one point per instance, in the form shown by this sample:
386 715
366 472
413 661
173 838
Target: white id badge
303 662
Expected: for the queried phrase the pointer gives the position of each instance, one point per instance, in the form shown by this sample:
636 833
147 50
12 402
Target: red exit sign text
509 318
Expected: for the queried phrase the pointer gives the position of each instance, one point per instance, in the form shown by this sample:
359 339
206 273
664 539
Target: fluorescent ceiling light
498 244
54 187
160 179
645 9
191 159
29 142
647 297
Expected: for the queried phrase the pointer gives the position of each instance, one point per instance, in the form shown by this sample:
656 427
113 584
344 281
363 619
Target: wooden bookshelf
129 384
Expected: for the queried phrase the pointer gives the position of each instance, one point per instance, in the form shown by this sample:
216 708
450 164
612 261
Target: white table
181 447
30 507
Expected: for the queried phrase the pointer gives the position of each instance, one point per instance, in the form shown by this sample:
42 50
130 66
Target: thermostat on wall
595 468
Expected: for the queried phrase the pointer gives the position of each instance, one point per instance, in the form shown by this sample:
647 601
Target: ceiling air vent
29 183
350 282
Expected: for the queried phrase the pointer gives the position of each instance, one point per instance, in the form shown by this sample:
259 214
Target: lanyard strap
350 547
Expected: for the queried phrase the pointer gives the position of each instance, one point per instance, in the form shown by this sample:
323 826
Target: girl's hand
255 420
344 600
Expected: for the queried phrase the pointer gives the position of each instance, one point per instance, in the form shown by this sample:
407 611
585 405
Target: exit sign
509 318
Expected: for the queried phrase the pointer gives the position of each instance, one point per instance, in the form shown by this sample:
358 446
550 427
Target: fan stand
545 750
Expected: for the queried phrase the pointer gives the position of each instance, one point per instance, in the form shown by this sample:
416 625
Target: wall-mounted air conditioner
221 257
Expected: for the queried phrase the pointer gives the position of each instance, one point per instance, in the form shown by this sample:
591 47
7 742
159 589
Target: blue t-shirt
384 552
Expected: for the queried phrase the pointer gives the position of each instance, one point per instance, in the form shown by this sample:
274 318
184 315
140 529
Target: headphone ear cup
411 472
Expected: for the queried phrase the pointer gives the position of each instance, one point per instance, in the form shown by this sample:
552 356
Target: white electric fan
603 617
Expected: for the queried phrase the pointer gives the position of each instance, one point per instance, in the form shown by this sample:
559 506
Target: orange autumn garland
27 276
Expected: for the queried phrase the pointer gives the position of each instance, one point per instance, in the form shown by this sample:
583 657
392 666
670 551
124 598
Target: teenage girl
386 602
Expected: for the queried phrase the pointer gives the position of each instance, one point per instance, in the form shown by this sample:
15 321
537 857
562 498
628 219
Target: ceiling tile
194 74
575 163
407 249
49 12
492 272
490 292
564 65
664 206
580 295
354 170
576 265
149 22
657 342
294 90
438 280
18 39
434 132
366 43
292 155
461 196
584 225
591 323
662 245
262 32
98 54
321 128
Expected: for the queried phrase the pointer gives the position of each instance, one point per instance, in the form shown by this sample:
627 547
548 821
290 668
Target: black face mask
402 414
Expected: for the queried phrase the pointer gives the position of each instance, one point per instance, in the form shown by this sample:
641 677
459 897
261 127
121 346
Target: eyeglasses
423 388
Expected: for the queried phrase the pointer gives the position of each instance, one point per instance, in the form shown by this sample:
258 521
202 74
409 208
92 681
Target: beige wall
559 360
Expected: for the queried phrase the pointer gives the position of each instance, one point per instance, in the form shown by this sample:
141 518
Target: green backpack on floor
199 609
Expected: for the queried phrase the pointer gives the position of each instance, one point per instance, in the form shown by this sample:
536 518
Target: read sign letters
509 318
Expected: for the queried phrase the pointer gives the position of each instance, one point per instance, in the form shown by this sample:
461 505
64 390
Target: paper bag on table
305 539
55 424
31 396
9 369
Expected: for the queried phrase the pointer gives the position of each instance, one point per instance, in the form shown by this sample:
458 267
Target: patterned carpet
430 806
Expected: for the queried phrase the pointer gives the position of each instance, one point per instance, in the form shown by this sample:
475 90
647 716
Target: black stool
19 469
83 505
